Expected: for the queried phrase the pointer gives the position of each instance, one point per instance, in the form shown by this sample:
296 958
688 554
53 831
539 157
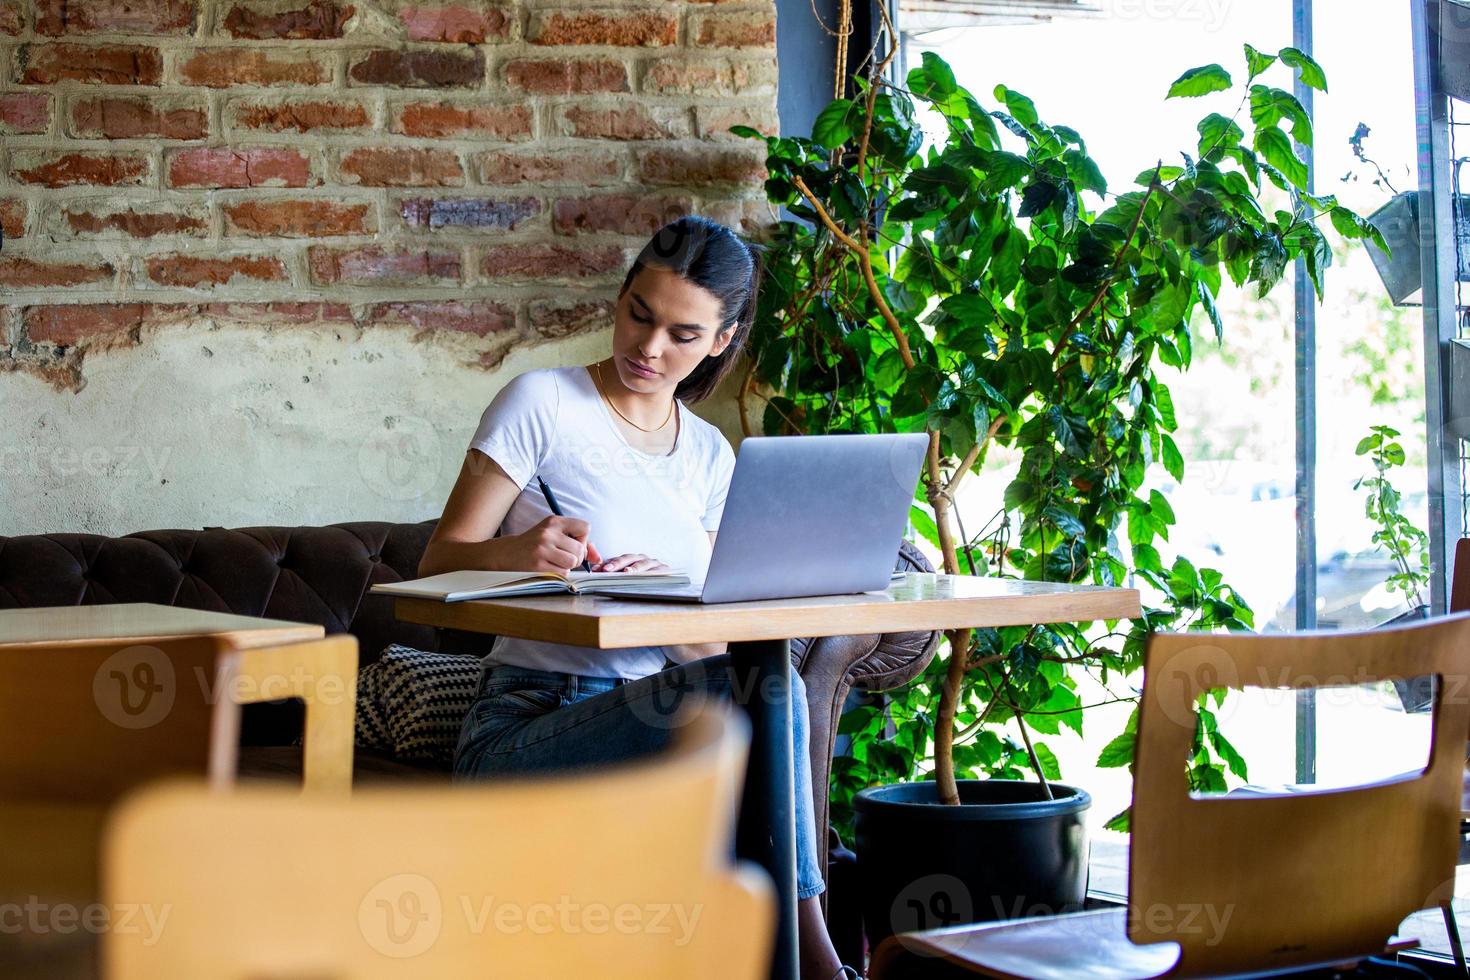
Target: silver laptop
809 515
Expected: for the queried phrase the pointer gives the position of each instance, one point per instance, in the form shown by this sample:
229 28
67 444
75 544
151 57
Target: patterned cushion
411 703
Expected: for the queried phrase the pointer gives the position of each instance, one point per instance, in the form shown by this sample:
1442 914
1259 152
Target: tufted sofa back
305 574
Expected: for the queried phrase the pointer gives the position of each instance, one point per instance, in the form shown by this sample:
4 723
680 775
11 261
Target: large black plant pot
1004 852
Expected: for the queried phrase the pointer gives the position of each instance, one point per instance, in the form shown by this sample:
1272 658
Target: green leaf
1159 505
1200 81
924 524
1207 300
1005 266
1307 241
960 313
933 79
1050 767
888 369
1228 755
834 124
1350 225
1119 752
919 267
1084 172
1268 263
1036 198
1064 520
1274 145
856 720
896 134
1164 402
1173 461
1217 132
1271 105
1165 308
1002 170
1067 562
1119 822
1258 61
1125 208
1308 70
1021 109
1209 779
1146 557
1010 123
1185 579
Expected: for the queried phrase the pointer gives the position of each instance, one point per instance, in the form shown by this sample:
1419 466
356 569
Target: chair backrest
1253 883
80 724
84 722
621 872
1460 578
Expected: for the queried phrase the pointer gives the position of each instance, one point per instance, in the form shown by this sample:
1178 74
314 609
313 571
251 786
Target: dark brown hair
714 258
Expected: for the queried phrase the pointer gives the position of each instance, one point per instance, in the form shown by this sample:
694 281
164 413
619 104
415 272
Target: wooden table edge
242 639
736 623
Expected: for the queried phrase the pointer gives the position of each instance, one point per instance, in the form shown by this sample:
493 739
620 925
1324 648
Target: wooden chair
82 723
625 872
1228 885
1460 580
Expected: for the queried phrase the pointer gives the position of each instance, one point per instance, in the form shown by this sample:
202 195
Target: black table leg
767 834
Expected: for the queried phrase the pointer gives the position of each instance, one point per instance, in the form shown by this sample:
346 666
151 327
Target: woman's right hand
556 544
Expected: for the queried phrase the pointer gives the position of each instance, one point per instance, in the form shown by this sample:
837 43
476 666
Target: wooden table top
919 601
143 621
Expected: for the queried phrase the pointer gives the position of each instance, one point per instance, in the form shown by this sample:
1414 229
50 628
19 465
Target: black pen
551 502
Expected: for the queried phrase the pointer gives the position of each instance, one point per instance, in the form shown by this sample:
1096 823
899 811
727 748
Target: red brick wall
467 168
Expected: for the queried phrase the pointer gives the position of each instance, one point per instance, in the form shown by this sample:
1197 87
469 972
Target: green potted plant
992 288
1406 545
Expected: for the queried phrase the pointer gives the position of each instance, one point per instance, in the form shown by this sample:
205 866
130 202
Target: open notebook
458 586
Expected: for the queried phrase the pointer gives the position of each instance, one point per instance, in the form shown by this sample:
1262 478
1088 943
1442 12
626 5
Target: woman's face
666 324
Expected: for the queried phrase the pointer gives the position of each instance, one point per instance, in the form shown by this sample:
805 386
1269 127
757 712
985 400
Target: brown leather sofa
321 575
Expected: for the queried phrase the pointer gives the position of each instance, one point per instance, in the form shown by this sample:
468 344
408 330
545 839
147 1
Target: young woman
641 481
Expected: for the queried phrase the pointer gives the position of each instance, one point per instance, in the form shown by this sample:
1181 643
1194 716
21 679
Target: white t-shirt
553 423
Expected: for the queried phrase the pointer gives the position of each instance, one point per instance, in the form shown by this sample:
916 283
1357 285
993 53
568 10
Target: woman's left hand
630 563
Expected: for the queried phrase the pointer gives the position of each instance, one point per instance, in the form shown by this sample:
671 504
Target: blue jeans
527 720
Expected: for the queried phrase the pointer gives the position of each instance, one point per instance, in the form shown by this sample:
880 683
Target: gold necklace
602 390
